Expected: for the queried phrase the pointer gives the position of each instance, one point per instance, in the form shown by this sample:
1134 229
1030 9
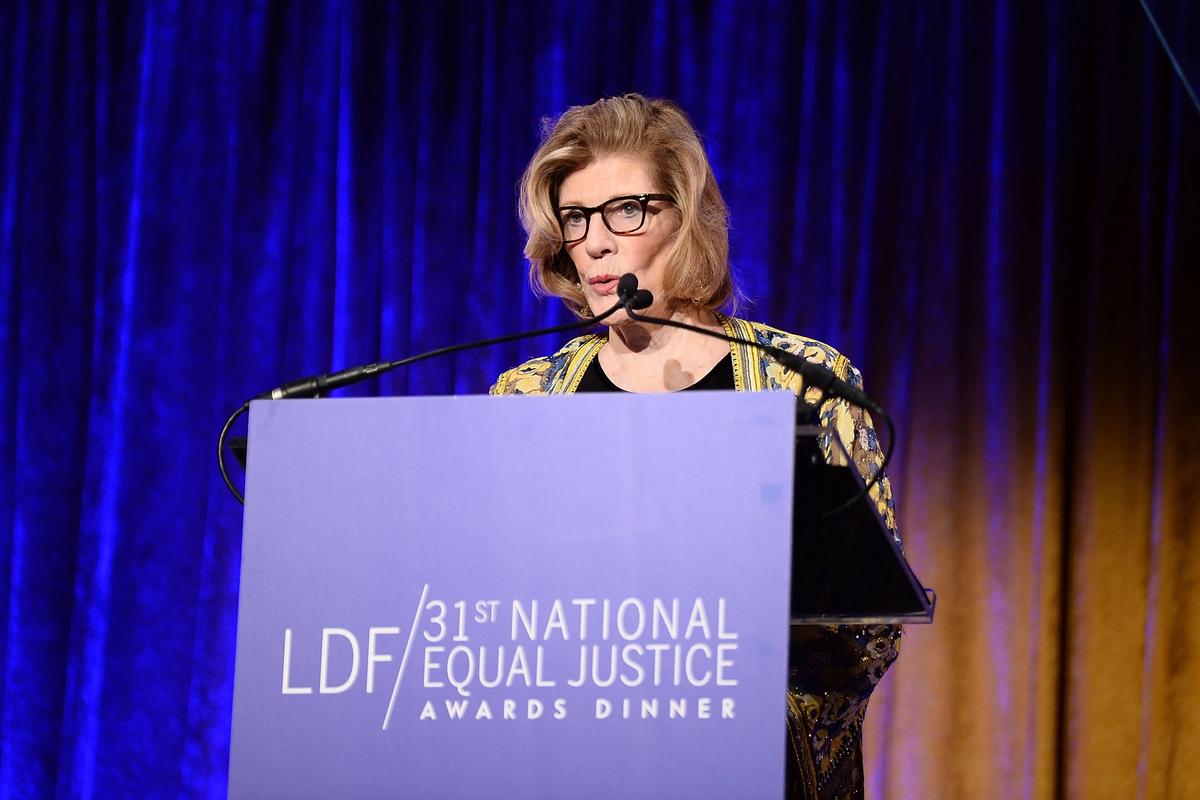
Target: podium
464 597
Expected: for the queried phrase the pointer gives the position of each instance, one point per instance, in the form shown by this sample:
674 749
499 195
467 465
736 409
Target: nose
599 239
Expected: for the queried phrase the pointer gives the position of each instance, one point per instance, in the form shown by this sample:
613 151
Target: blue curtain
990 207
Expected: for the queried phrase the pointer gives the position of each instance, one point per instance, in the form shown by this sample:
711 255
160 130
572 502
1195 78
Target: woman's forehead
606 177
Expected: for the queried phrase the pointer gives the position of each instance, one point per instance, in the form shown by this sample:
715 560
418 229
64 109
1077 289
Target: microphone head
626 286
642 298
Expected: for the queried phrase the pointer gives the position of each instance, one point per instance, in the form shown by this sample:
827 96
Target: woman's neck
645 357
650 339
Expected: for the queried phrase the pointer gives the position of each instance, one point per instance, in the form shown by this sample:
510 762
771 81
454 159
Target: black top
719 377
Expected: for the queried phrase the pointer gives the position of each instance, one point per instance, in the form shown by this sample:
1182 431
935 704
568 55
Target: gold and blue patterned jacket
832 669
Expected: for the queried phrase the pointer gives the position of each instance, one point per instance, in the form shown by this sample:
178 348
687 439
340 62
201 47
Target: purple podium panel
515 597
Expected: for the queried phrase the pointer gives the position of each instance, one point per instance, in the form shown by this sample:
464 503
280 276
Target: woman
624 186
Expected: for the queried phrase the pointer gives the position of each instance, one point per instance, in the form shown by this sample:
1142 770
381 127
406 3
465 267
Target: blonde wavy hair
660 133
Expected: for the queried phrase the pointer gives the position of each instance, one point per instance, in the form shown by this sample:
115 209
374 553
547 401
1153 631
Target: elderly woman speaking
624 186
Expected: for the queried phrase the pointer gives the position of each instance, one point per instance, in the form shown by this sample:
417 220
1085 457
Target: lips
604 284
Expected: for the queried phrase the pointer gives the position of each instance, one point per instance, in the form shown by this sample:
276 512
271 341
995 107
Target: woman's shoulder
813 350
542 374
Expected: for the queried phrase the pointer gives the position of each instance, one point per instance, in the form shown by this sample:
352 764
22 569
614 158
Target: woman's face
602 256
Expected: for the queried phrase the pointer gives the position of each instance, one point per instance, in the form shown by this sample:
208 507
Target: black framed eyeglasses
622 215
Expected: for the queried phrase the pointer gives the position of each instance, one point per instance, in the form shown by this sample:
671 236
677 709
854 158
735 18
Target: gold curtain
1048 488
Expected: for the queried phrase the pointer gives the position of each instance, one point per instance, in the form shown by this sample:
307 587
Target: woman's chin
616 318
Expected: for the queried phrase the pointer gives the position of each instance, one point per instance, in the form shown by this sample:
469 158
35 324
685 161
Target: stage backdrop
990 207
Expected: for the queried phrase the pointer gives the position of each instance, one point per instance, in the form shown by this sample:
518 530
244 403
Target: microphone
627 288
642 298
630 295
